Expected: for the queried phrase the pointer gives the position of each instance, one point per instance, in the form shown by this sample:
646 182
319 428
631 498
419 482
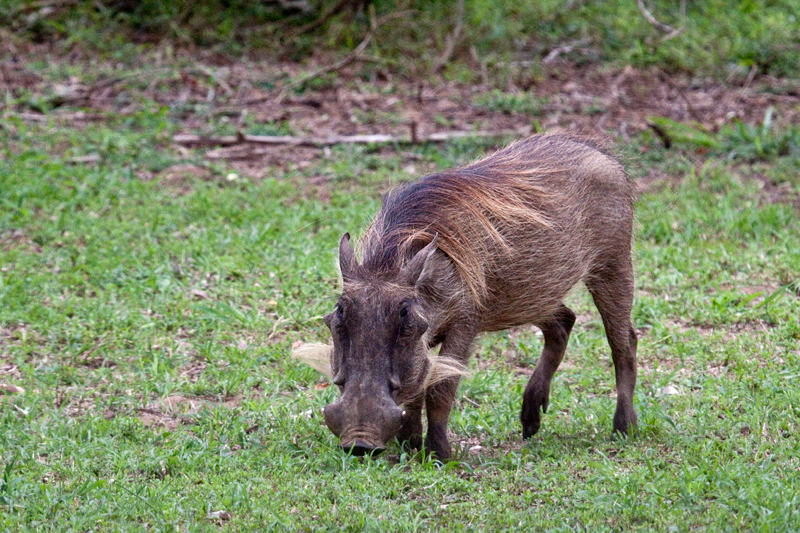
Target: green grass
497 100
721 38
736 141
118 291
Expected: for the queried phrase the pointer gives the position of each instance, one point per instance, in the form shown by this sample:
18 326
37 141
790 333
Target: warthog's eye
335 319
410 321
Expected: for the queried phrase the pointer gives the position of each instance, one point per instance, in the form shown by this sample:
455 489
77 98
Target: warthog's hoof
529 431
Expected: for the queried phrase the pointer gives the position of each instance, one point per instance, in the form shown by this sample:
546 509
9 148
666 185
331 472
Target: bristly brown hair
474 208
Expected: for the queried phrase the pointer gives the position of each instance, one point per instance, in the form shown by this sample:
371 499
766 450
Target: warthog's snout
359 448
364 424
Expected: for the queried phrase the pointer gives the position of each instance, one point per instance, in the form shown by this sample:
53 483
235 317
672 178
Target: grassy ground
150 320
150 293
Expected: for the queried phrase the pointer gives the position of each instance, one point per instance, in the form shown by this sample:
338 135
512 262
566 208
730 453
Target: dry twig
666 28
567 48
216 78
48 6
452 39
84 160
325 17
346 60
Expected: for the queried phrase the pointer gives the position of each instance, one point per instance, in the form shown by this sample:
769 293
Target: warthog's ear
412 271
317 356
347 258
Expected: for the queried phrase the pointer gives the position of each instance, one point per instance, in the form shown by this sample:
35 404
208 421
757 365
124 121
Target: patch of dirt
247 97
192 371
576 99
777 192
731 331
471 445
72 402
180 174
728 332
172 412
17 239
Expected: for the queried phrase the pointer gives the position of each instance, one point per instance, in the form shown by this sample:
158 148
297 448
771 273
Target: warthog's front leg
411 430
439 398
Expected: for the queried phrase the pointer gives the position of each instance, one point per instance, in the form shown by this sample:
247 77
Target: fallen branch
666 28
41 117
186 139
110 82
349 58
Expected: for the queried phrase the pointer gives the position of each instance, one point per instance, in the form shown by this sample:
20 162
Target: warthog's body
492 245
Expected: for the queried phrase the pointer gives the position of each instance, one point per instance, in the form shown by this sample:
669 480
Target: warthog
495 244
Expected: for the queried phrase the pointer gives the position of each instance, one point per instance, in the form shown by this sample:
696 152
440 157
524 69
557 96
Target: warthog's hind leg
537 392
612 291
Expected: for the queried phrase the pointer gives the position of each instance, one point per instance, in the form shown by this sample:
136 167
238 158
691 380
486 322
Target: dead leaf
199 294
7 388
308 414
242 344
668 390
321 386
219 515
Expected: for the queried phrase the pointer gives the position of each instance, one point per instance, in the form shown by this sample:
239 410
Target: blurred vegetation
736 141
723 38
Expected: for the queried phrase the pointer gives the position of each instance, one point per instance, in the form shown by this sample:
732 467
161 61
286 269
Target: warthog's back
522 226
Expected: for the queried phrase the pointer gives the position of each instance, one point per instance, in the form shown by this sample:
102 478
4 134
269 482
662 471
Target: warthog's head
379 359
